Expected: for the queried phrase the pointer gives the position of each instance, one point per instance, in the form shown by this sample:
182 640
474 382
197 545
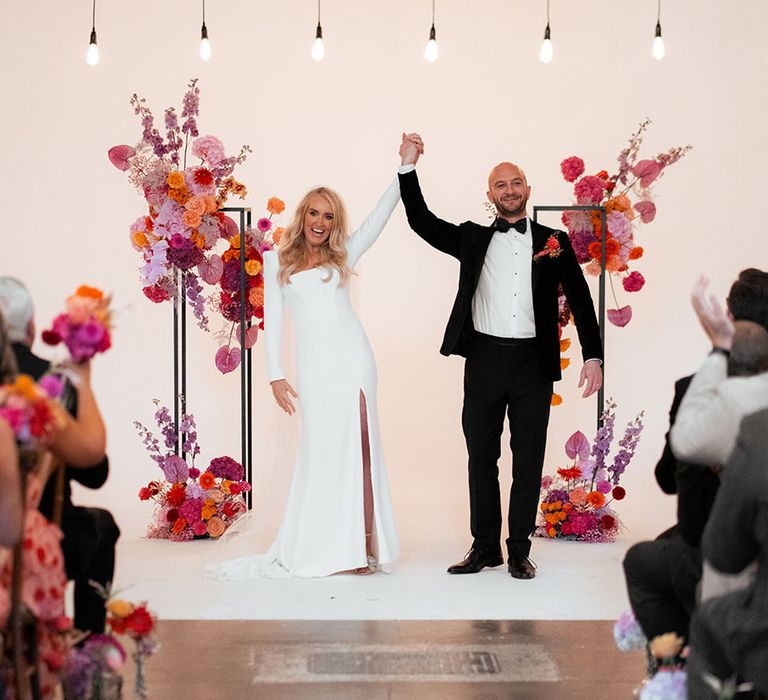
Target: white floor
574 581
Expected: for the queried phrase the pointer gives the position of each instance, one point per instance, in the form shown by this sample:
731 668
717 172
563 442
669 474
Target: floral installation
29 408
184 221
224 271
634 177
551 248
669 683
84 327
136 622
575 504
190 502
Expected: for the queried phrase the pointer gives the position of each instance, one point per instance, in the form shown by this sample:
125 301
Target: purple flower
604 486
556 495
183 253
230 278
226 468
175 469
51 385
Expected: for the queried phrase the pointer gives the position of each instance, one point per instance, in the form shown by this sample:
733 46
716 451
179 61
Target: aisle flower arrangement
670 680
136 622
627 197
576 502
84 327
184 221
224 272
189 502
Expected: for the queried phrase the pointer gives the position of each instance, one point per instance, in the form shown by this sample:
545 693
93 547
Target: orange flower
556 400
181 195
235 241
275 205
178 526
551 532
119 608
207 480
564 362
91 292
256 296
139 239
209 509
197 239
25 386
277 234
595 499
216 527
253 267
196 204
211 205
225 484
176 180
191 219
230 254
620 203
636 252
565 343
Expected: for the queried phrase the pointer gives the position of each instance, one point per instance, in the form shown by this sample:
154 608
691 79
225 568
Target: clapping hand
714 320
282 391
411 148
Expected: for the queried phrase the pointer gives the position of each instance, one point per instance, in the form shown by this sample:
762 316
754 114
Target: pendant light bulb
431 50
206 50
547 52
659 50
318 48
92 55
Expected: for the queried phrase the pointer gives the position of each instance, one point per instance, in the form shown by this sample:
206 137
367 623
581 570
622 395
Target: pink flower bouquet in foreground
190 502
576 503
84 327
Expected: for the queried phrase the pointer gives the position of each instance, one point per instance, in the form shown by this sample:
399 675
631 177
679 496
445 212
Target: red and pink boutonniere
551 248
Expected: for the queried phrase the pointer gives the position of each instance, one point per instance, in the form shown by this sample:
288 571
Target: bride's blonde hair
294 253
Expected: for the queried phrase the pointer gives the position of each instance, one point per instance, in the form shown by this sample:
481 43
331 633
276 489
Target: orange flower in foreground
636 252
207 480
25 386
176 180
275 205
596 499
90 292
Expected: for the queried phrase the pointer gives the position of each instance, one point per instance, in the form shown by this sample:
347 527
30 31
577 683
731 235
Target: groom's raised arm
444 236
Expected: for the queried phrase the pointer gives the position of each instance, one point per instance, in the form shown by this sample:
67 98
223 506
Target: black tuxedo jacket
468 242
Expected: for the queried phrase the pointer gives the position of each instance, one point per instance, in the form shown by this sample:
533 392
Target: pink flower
546 481
604 487
578 497
589 190
620 317
572 168
208 148
647 171
264 224
647 211
633 282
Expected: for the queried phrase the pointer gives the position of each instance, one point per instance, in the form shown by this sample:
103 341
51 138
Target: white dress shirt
503 301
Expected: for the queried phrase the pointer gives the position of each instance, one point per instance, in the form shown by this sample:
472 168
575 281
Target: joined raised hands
282 391
411 147
713 318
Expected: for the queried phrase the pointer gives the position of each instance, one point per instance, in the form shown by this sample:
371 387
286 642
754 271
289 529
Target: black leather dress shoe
521 567
475 561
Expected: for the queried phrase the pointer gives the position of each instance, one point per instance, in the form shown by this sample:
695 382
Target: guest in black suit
505 322
729 634
90 534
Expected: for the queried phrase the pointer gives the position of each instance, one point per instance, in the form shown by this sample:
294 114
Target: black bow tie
521 225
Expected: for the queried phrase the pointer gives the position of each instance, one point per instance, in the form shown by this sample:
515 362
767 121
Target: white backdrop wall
338 122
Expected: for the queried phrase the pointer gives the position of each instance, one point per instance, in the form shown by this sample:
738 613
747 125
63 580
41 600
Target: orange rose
256 296
253 267
211 205
196 204
275 205
176 180
216 527
191 219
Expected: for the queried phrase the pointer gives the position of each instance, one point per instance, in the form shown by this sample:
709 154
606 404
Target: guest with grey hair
90 534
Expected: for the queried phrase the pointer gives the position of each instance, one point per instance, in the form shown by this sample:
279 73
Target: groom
505 323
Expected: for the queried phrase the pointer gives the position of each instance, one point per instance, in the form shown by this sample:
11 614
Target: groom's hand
592 375
411 147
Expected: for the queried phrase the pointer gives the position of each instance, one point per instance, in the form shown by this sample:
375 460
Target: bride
339 515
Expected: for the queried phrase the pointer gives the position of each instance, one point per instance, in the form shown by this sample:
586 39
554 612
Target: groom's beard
513 210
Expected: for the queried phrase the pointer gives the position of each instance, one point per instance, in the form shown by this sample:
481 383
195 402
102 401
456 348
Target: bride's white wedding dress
323 530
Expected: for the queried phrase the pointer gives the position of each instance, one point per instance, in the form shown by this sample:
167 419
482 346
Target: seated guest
662 576
90 534
729 634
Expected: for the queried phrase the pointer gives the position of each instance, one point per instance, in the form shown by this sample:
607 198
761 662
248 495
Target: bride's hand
282 392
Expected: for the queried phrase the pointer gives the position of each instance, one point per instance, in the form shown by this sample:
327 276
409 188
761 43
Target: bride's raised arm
367 233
